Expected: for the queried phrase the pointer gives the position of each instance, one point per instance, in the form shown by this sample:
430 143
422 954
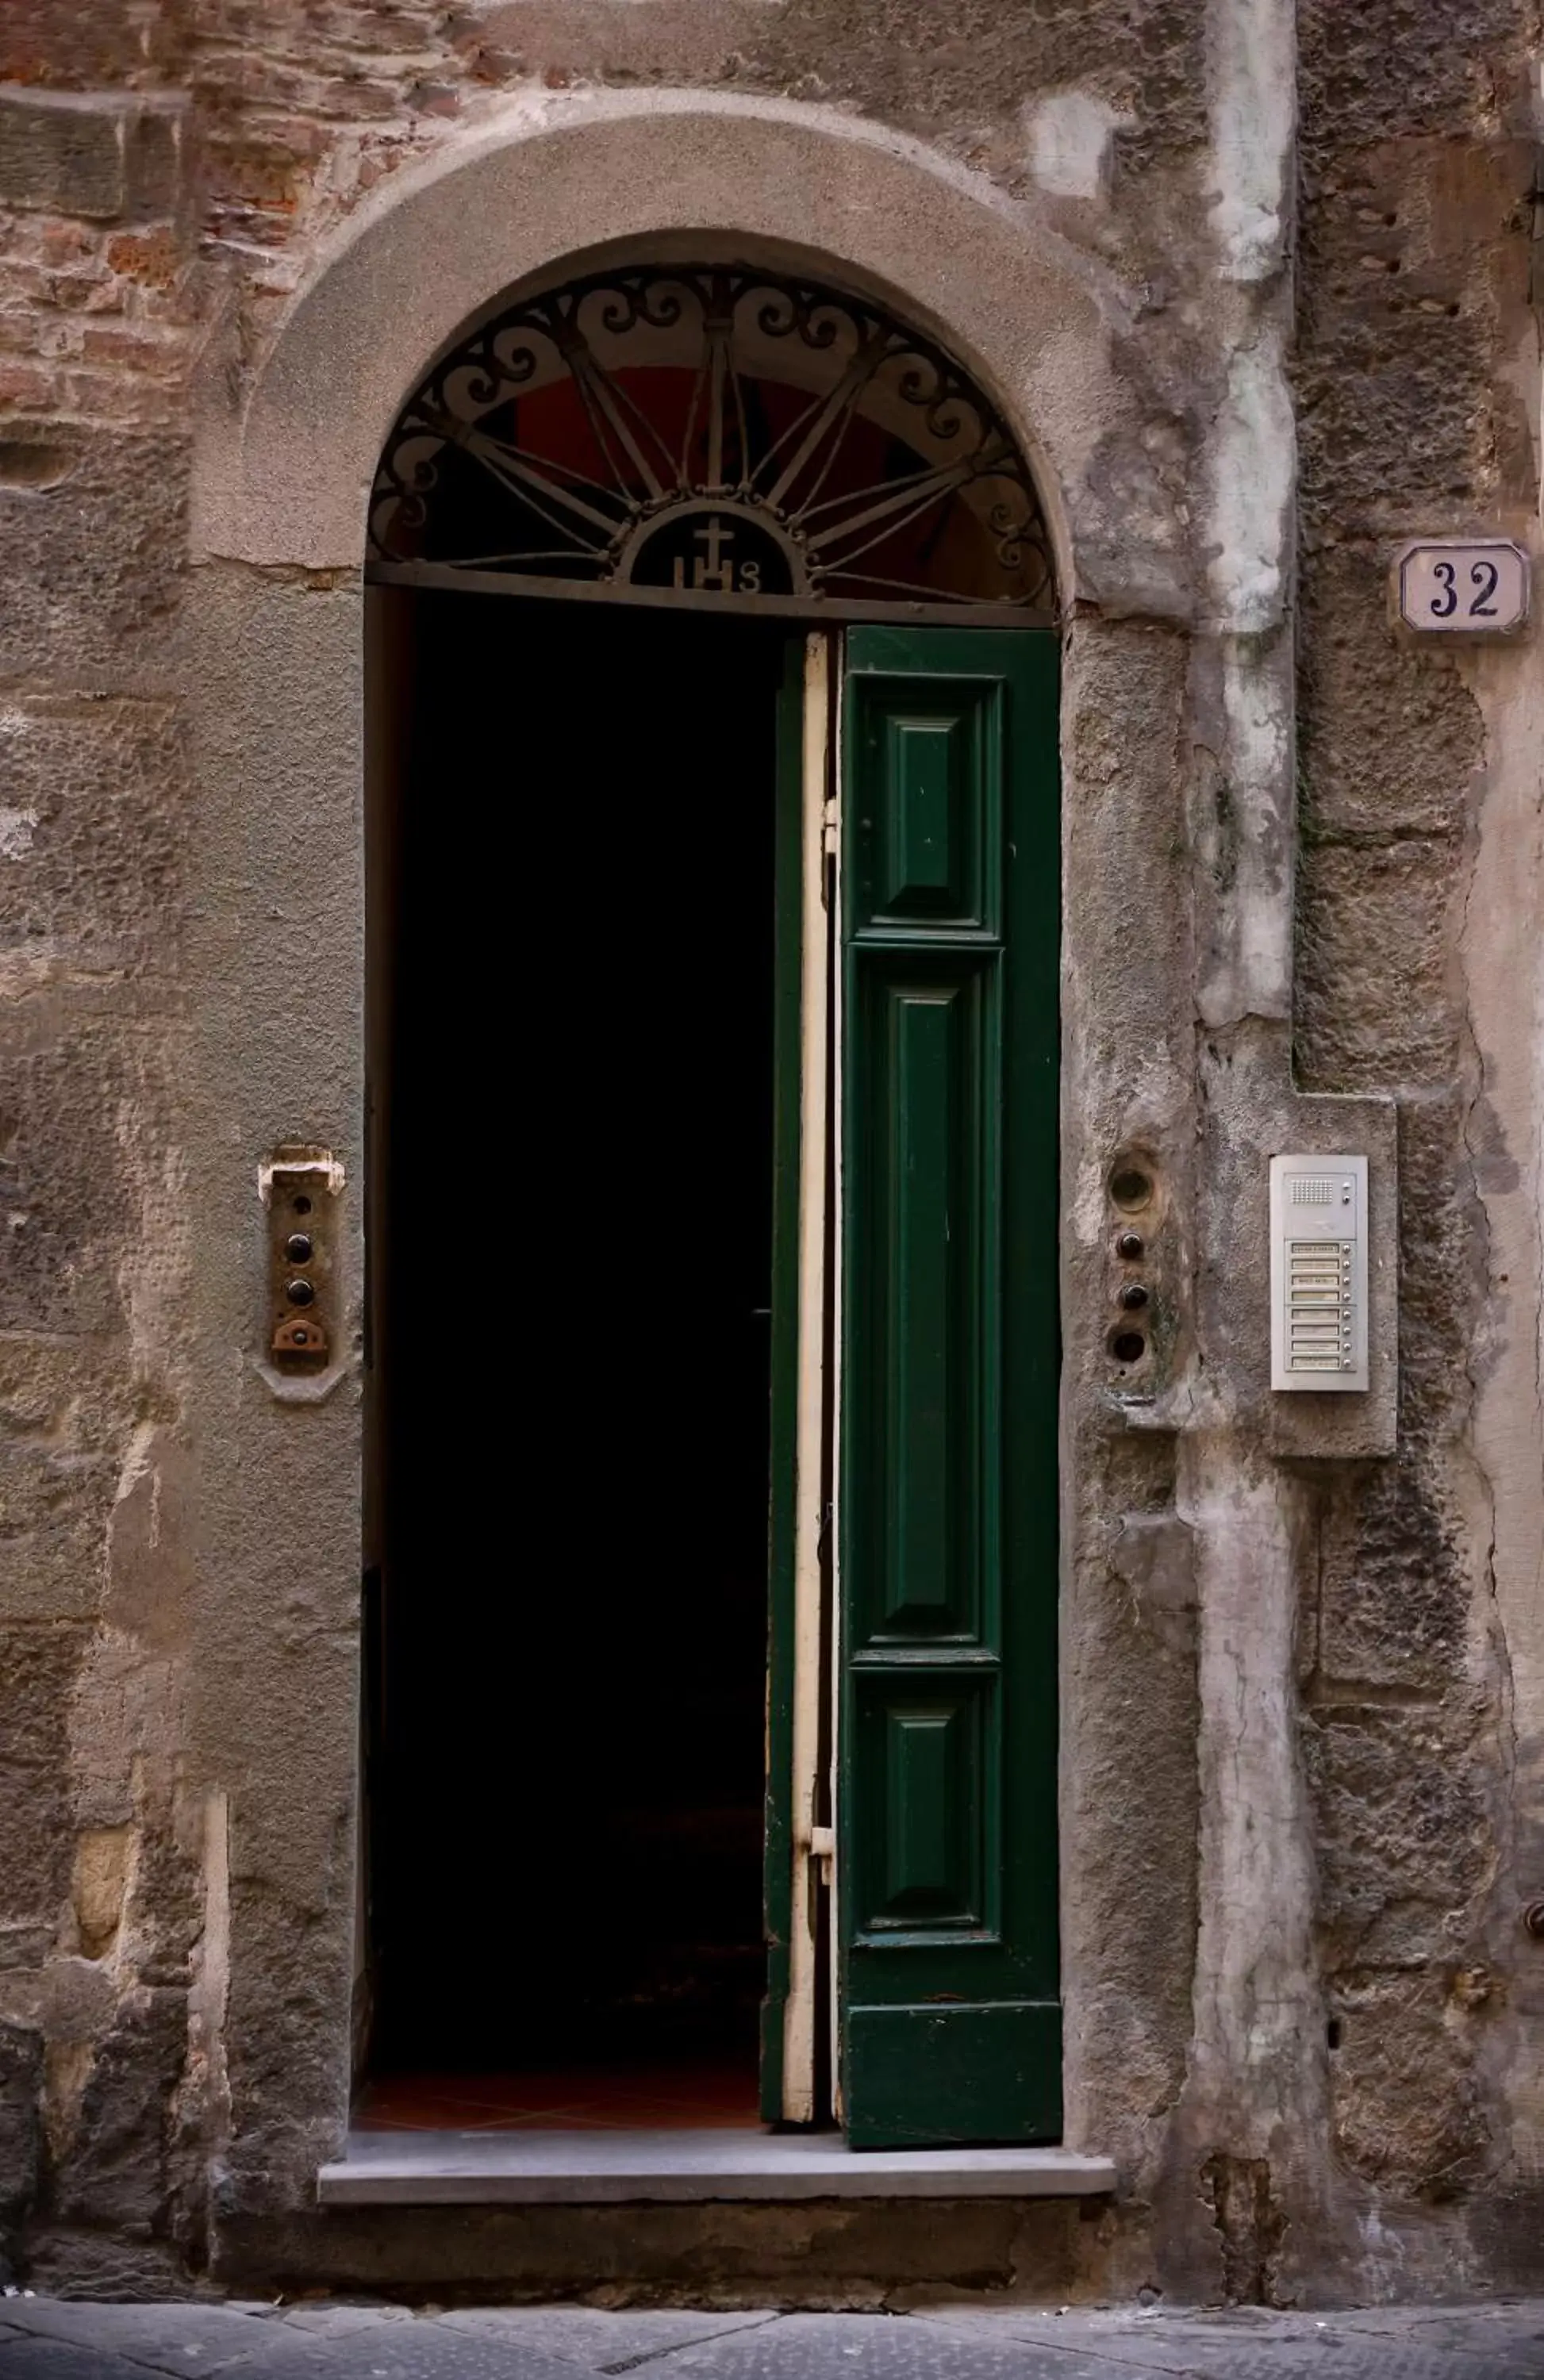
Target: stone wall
1416 386
1307 2040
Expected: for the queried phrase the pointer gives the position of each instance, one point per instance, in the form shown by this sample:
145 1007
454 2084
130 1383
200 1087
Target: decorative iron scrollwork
720 430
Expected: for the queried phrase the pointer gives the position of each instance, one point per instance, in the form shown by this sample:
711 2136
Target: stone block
78 2001
116 2170
63 1421
822 2254
93 794
1388 423
92 533
1393 1595
1374 1006
1441 1302
286 2016
39 1665
102 1859
87 41
80 1117
150 1541
1403 1832
126 1737
100 154
929 71
1385 69
1132 1817
21 2050
1407 2109
1389 736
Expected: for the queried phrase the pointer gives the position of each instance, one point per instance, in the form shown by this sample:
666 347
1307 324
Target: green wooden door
948 2016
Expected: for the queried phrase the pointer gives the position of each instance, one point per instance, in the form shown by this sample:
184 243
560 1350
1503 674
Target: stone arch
283 479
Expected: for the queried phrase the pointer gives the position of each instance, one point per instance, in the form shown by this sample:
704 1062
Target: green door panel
921 1049
932 853
988 2073
949 2020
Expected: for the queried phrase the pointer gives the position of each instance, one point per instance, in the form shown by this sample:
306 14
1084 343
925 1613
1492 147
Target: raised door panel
923 1057
924 1856
926 784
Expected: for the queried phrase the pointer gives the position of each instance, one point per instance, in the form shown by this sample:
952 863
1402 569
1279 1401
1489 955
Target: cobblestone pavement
48 2339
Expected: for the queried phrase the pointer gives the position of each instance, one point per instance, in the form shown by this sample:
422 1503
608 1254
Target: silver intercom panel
1319 1272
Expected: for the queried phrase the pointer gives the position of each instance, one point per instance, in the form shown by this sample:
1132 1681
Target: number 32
1483 577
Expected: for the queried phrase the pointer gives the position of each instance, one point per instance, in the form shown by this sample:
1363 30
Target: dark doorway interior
570 1229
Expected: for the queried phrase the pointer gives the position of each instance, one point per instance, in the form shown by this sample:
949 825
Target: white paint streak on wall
1254 104
1502 958
208 1998
1253 475
1257 2050
137 1462
154 1267
1257 2085
1069 134
1252 480
1249 973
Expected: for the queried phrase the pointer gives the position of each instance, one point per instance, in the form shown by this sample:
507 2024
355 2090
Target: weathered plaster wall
1304 1666
1417 378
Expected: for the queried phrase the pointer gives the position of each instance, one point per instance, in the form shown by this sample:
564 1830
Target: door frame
273 671
798 1845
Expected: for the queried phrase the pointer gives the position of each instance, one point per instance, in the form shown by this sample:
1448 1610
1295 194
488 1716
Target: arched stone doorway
714 862
290 431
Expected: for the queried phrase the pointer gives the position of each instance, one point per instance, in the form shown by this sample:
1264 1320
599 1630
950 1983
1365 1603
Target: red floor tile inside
577 2100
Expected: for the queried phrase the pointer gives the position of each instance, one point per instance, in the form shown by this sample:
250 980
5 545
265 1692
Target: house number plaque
1451 586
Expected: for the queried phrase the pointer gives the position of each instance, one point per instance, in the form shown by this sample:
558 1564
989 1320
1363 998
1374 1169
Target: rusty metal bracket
291 1161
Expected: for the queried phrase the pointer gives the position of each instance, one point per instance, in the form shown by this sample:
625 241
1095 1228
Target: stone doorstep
531 2168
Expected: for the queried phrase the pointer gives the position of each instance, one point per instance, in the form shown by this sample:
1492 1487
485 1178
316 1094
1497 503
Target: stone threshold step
532 2169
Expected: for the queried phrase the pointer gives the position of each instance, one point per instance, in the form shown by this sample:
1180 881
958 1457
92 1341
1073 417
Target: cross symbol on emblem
712 570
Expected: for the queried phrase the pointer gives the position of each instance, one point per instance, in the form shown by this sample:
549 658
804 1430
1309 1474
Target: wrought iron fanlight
718 429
